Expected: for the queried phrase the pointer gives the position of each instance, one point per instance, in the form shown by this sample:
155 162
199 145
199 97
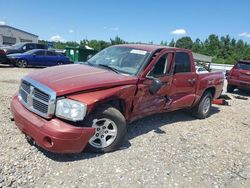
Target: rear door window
182 62
40 46
49 53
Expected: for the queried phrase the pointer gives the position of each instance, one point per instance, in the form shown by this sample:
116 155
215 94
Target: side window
40 53
40 46
49 53
182 62
160 68
30 46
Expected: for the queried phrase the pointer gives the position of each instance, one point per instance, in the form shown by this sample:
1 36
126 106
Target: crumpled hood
68 79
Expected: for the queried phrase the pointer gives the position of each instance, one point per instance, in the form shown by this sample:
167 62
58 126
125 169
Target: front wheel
22 63
230 88
110 131
59 63
203 108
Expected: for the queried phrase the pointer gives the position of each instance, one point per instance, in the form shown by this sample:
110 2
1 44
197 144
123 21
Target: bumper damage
53 135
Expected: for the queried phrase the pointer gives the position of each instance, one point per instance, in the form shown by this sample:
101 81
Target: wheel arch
211 90
117 103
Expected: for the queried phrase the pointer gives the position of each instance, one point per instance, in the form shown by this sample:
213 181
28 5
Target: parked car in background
18 48
200 69
66 108
239 76
40 58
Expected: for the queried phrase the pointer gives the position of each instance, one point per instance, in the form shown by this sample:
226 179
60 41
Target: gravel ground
165 150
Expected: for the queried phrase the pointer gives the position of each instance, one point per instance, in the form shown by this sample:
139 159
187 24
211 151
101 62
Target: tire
203 108
22 64
110 132
230 88
59 63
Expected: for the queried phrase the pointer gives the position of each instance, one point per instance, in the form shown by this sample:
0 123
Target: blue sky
132 20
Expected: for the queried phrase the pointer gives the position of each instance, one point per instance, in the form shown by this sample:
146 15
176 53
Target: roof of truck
148 47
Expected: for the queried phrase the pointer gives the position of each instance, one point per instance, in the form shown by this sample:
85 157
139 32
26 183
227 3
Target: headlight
70 109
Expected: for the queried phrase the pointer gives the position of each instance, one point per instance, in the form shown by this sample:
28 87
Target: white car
200 69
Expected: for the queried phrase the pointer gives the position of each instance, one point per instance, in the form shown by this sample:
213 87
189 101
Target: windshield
243 66
18 45
122 59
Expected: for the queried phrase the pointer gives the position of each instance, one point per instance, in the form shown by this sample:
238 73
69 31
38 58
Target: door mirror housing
89 56
155 86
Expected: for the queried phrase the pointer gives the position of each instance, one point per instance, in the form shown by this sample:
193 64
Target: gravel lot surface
165 150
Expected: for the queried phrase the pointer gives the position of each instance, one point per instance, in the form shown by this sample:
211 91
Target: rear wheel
59 63
230 88
110 128
203 108
22 63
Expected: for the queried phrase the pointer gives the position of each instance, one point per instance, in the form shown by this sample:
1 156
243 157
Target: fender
95 98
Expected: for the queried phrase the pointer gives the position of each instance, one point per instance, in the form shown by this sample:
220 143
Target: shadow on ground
241 92
137 128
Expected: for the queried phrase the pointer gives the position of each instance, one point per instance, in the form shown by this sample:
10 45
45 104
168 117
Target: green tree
172 43
184 42
197 46
117 40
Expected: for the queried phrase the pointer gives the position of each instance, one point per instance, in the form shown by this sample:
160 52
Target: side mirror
34 55
155 87
89 56
227 72
24 48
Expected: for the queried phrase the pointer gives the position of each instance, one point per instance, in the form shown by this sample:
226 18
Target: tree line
224 50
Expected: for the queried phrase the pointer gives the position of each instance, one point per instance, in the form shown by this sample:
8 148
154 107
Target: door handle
192 81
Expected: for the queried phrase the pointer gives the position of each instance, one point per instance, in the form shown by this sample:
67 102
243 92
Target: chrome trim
30 96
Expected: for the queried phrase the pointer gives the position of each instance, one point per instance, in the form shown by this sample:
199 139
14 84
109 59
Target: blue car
39 58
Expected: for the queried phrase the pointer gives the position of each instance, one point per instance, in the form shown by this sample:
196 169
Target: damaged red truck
68 108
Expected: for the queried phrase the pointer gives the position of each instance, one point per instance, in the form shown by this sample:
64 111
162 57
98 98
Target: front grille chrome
37 97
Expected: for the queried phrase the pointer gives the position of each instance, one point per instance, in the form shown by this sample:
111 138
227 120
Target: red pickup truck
239 76
67 108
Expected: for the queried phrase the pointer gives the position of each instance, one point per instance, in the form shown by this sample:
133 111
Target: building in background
10 35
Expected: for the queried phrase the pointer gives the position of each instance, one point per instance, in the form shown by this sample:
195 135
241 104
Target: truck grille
37 97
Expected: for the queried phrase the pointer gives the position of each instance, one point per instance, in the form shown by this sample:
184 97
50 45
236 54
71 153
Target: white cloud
71 31
2 22
57 38
244 34
179 32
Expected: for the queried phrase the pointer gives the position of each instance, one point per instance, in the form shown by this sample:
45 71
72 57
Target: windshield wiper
110 68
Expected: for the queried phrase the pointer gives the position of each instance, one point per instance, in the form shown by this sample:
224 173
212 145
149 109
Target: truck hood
67 79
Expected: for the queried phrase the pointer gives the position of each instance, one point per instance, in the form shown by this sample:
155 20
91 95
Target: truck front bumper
53 135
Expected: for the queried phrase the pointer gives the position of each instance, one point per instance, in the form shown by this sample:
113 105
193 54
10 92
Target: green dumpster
79 54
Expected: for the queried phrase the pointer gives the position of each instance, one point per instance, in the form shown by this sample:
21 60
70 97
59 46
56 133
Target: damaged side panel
93 99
